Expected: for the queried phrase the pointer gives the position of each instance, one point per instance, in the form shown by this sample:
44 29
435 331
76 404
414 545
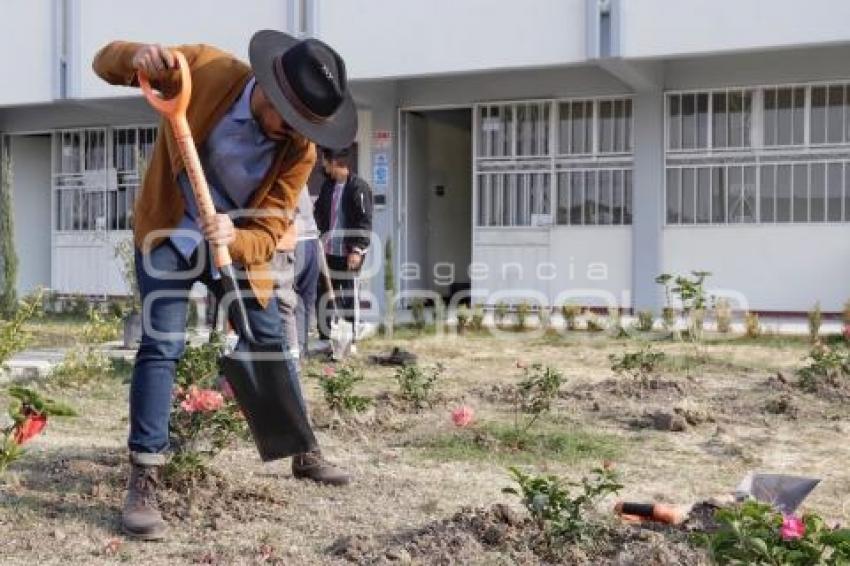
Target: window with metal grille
96 176
530 155
772 154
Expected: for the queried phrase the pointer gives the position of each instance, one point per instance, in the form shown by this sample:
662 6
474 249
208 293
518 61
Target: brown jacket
217 81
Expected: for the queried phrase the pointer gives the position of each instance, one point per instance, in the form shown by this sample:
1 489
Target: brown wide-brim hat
306 82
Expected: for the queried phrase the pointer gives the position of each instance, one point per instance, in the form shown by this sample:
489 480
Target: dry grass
60 504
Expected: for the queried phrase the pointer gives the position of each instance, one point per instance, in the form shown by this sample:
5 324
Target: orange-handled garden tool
174 109
263 379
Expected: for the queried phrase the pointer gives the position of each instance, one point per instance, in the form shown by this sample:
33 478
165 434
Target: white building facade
545 151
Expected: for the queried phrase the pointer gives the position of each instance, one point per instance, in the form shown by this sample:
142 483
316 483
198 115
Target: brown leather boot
313 466
140 517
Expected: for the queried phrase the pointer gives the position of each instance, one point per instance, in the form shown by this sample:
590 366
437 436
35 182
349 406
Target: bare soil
420 499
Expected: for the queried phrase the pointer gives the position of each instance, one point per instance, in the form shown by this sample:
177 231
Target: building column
647 199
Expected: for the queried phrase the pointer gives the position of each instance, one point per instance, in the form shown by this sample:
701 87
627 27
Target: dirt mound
484 536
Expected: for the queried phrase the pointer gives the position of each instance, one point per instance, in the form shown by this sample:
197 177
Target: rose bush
29 412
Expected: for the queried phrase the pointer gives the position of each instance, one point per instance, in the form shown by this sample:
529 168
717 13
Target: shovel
341 331
267 391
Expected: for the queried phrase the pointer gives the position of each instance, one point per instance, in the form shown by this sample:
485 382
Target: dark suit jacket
356 203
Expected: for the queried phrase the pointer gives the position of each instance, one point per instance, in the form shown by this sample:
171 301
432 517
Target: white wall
586 265
393 38
86 263
785 268
226 24
653 28
31 206
27 44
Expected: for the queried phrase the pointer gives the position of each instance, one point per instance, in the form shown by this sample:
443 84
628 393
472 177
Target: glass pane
746 118
588 127
627 126
835 115
688 195
834 185
495 199
627 197
817 192
577 125
606 126
562 215
801 193
689 121
799 116
674 133
617 180
718 195
674 196
735 175
818 119
846 192
523 199
577 198
702 120
508 199
783 193
767 193
784 116
735 116
606 198
770 117
750 213
564 128
719 131
847 113
590 197
703 195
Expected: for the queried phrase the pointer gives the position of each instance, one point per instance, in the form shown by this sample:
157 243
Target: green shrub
417 310
752 325
571 313
500 312
640 365
723 315
522 311
815 320
477 320
417 384
535 394
463 316
645 320
560 515
100 327
594 323
338 389
8 255
826 365
756 533
13 337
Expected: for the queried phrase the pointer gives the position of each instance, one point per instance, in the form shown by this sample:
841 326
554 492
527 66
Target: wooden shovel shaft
174 109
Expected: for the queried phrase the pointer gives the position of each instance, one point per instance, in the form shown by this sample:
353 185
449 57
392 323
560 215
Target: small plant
534 395
77 305
560 515
544 315
29 412
723 315
338 389
205 418
815 320
571 313
501 312
125 252
477 320
751 325
664 279
463 316
8 254
81 366
417 310
100 327
640 365
845 313
13 337
756 533
645 320
416 384
826 365
593 322
522 311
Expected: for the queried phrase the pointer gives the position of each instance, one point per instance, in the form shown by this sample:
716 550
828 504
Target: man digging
255 128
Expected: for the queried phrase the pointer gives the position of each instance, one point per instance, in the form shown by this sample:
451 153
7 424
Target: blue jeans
306 281
165 296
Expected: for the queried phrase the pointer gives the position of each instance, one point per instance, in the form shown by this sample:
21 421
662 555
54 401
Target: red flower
463 416
202 400
792 528
32 426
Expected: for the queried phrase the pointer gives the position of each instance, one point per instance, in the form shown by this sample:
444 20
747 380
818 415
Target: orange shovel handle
174 109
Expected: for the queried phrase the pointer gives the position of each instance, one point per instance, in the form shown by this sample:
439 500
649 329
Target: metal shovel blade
341 337
270 398
780 490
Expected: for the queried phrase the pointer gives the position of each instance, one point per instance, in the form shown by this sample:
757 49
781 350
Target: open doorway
437 201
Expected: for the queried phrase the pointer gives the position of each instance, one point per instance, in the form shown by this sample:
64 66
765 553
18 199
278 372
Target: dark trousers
306 280
343 284
165 280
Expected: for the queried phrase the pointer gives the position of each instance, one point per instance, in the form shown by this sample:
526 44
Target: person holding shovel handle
255 128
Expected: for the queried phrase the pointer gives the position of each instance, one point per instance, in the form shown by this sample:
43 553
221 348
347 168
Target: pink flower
329 371
521 365
792 528
463 416
202 400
